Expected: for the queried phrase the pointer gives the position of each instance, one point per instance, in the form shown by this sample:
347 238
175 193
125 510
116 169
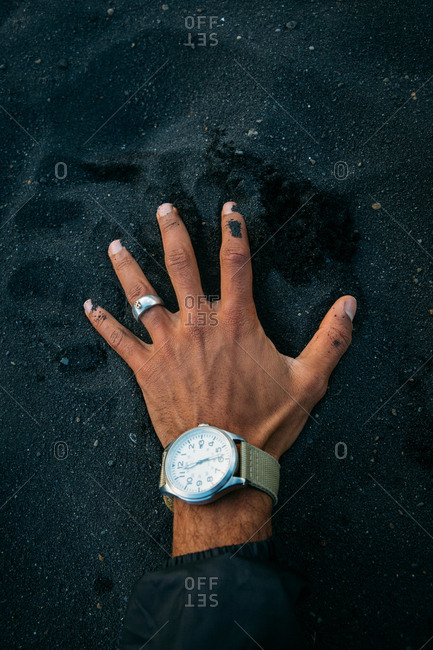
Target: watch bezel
206 495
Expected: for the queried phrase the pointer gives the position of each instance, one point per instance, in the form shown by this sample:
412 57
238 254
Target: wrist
238 517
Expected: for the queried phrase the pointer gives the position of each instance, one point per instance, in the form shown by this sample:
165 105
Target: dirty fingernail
164 208
350 308
228 207
88 306
115 246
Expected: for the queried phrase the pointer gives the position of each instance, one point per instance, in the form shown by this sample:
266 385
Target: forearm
238 517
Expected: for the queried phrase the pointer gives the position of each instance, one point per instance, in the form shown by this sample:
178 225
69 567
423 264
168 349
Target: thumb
332 338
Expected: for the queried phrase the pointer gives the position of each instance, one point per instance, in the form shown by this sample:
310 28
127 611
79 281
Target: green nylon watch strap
260 469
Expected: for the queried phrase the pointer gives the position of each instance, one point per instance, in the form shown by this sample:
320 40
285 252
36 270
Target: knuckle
196 334
315 384
159 364
196 331
136 291
177 259
152 318
123 263
338 337
237 321
168 223
321 384
116 339
234 256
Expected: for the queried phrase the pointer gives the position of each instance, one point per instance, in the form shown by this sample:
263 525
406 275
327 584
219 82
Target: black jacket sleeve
232 597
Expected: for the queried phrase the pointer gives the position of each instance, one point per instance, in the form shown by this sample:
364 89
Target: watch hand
197 462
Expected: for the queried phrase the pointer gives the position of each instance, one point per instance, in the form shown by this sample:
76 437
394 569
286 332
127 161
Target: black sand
261 119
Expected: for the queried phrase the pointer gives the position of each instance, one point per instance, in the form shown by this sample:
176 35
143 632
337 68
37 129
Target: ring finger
136 285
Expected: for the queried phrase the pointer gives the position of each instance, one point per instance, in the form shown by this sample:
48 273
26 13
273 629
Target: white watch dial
199 461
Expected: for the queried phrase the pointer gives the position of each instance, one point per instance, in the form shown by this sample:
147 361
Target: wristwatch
206 462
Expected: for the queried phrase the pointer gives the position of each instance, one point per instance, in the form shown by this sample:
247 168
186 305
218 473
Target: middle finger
180 258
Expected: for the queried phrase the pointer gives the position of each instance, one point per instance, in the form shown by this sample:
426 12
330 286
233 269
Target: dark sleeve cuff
271 549
223 596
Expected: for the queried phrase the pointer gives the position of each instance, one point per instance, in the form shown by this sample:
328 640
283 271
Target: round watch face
199 462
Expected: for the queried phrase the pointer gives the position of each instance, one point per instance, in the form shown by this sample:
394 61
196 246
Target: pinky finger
125 343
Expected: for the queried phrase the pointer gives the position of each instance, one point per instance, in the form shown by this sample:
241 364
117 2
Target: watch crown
203 424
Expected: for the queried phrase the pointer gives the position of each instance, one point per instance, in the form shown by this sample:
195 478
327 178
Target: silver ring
144 303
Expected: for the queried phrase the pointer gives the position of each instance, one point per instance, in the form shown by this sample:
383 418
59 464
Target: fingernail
165 208
88 306
115 246
228 207
350 308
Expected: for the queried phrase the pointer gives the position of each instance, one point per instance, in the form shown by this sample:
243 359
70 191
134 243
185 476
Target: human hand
212 362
